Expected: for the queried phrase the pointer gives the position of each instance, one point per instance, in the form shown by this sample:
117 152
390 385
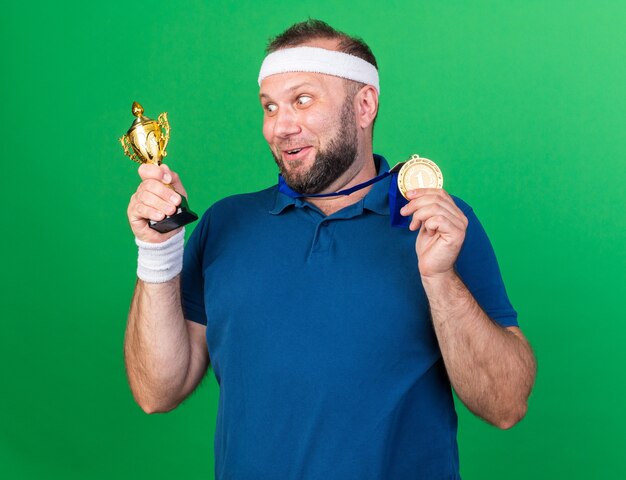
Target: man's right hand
153 200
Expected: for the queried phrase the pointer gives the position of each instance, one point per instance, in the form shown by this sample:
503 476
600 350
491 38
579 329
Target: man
333 335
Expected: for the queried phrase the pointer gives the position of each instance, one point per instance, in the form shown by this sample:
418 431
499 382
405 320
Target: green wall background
521 103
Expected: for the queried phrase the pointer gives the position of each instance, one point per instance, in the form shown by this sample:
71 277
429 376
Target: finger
430 210
424 207
157 172
160 190
149 170
154 201
428 200
415 224
442 225
433 192
437 192
141 212
173 180
441 198
420 192
167 174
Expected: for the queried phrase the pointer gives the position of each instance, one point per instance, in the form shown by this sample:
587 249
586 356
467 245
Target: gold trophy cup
145 142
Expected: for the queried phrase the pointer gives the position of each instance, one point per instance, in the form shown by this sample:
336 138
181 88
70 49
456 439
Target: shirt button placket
322 238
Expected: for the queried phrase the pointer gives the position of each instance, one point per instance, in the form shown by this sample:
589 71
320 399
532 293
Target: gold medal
417 173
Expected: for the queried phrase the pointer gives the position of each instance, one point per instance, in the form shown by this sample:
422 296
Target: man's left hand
442 230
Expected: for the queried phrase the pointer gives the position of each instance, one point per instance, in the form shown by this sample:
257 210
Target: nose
286 123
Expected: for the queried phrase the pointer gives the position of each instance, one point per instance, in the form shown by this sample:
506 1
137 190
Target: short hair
312 29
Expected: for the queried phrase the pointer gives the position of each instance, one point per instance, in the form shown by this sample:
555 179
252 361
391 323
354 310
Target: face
309 124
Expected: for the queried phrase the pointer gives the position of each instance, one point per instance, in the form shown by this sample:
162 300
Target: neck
362 170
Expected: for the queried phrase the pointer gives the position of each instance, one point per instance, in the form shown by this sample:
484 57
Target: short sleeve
192 276
478 268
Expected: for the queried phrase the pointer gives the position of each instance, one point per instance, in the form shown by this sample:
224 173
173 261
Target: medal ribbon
396 200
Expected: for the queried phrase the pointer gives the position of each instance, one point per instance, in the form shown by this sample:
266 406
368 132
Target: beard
330 163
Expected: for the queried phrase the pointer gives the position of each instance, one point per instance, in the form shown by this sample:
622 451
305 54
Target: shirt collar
376 200
281 201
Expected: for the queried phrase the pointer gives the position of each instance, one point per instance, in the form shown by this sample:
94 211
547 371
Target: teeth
294 151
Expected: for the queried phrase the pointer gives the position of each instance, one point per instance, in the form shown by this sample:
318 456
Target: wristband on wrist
160 262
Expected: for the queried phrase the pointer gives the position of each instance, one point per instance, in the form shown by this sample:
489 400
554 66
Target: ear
366 106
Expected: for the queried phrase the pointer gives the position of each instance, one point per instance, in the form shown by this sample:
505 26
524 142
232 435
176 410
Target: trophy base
182 217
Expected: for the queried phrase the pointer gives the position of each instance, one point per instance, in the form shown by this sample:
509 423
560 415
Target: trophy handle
165 127
128 149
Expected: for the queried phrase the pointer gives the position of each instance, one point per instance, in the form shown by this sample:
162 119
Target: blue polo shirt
321 340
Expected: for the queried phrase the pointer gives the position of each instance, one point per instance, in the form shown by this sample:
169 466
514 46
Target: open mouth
295 153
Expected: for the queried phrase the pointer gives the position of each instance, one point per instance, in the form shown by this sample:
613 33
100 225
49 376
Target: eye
270 107
303 100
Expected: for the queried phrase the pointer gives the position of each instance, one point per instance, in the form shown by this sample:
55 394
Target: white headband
319 60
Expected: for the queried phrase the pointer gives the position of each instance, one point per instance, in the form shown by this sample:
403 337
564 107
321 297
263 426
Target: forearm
157 347
491 368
